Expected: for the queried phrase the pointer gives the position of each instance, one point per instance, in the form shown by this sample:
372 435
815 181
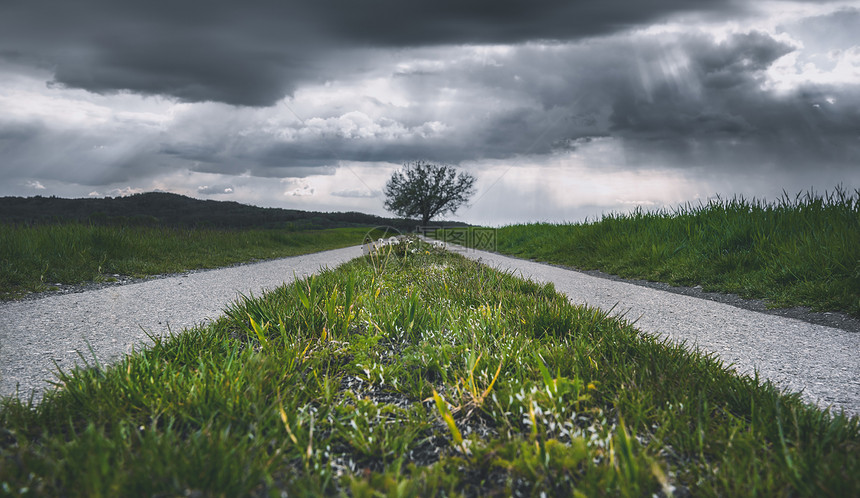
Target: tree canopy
425 190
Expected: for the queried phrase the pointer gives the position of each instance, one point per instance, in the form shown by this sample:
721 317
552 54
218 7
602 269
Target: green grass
802 251
33 259
420 374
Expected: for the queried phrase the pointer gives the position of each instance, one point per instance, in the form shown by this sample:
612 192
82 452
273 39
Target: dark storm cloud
723 110
675 98
432 22
683 99
254 53
688 97
713 78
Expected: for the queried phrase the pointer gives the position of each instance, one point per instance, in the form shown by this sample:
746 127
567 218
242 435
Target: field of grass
801 251
416 373
33 259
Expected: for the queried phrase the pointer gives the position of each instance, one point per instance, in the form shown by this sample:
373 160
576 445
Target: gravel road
35 333
822 362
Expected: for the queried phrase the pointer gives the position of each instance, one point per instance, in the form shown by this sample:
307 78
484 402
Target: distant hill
165 209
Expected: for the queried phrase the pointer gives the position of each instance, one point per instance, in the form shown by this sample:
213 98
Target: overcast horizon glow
562 110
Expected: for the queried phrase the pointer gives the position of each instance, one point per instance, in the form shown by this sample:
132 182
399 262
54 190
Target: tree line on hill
173 210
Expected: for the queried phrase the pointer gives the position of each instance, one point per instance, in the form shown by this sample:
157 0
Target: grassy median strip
416 373
34 259
801 251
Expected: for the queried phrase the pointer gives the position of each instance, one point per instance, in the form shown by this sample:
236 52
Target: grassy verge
32 259
420 374
794 252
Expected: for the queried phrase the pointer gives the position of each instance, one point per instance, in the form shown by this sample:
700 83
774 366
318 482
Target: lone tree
426 190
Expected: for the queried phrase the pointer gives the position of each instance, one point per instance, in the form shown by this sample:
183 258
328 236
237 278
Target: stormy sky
561 109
